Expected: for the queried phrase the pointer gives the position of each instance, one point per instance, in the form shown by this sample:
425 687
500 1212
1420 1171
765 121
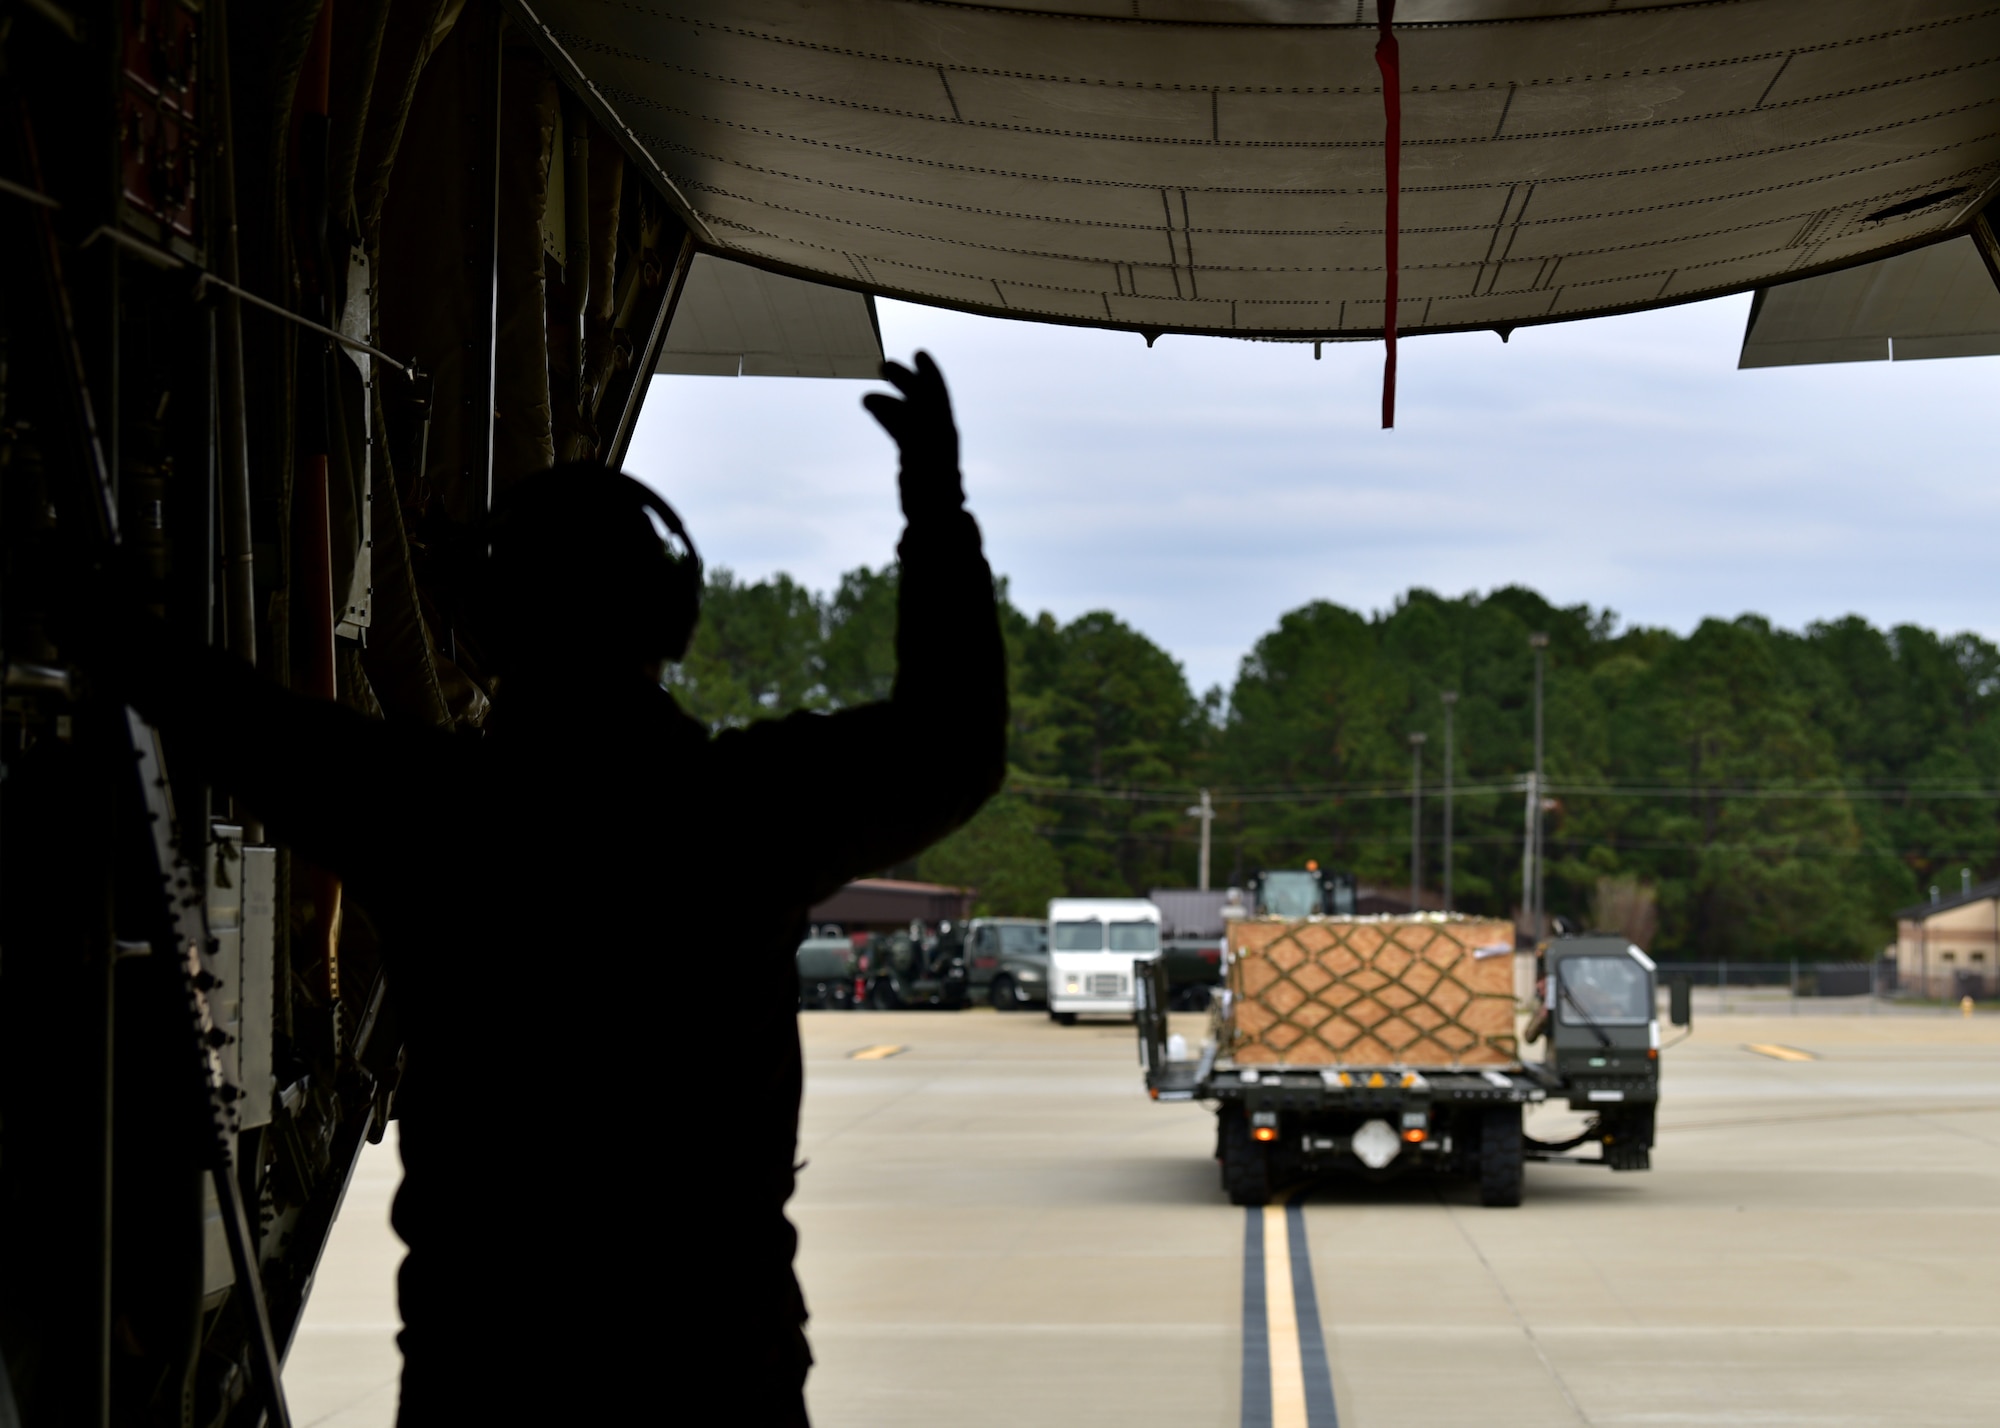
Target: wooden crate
1370 991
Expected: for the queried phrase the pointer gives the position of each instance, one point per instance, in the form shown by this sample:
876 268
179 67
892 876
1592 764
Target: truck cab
1007 961
1093 944
1310 891
1601 1024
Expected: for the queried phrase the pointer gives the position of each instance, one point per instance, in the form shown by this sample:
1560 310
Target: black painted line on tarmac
1320 1412
1256 1325
1259 1391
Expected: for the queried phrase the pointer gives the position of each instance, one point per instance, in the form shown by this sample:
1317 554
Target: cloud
1203 487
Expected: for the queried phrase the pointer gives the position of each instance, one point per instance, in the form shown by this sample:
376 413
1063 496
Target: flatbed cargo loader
1383 1045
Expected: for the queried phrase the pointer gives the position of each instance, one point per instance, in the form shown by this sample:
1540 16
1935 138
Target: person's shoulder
674 723
799 726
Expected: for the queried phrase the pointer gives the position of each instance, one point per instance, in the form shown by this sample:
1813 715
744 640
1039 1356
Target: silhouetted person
590 913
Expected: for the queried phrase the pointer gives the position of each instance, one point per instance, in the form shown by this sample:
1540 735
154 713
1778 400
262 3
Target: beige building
1948 948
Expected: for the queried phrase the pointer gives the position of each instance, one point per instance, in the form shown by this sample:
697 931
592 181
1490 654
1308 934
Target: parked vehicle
1311 891
915 969
1194 970
829 969
1194 922
1007 961
1409 1054
1093 944
1191 940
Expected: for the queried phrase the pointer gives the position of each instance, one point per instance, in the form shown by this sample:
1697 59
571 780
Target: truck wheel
1246 1163
883 996
1501 1169
1628 1139
1003 994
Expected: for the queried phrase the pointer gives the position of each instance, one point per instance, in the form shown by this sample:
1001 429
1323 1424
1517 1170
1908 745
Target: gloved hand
922 426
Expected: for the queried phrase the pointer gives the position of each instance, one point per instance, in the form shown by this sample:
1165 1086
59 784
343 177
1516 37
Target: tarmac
998 1228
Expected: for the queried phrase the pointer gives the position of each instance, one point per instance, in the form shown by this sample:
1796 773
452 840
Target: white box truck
1093 942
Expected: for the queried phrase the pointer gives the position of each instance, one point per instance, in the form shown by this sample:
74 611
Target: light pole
1450 698
1416 818
1528 850
1205 811
1539 643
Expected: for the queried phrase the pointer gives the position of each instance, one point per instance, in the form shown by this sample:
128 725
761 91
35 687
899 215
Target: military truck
1380 1046
829 972
1007 961
1303 892
914 969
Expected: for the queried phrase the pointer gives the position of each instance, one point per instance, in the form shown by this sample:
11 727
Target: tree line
1742 791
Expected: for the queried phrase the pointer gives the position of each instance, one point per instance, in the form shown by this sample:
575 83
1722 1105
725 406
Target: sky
1200 489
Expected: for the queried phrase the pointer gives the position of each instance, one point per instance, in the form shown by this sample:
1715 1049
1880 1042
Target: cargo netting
1375 991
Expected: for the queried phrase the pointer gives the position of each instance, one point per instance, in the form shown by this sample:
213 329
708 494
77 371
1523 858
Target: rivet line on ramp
1286 1380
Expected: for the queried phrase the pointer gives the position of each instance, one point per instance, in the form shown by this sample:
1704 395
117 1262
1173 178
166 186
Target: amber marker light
1264 1133
1414 1135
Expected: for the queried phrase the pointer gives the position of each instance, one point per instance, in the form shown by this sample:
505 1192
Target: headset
553 524
681 586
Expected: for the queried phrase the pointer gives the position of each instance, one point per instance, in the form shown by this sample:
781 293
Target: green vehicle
914 969
829 969
1602 1051
1303 892
1007 961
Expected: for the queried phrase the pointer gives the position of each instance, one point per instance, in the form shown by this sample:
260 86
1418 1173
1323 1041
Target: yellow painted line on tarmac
876 1053
1779 1053
1286 1378
1288 1375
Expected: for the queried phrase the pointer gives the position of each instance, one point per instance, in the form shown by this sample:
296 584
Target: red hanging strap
1388 61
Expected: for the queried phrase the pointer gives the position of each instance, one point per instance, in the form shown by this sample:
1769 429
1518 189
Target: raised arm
884 781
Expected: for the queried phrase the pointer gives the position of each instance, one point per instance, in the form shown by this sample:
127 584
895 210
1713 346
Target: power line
1801 850
1362 792
1611 790
1305 795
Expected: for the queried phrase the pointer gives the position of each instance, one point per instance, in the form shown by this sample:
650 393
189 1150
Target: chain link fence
1816 988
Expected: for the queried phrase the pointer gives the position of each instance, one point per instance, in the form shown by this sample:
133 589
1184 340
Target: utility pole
1539 643
1416 818
1528 850
1450 698
1205 811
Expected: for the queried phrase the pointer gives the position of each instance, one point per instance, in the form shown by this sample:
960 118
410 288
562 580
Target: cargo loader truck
1382 1046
